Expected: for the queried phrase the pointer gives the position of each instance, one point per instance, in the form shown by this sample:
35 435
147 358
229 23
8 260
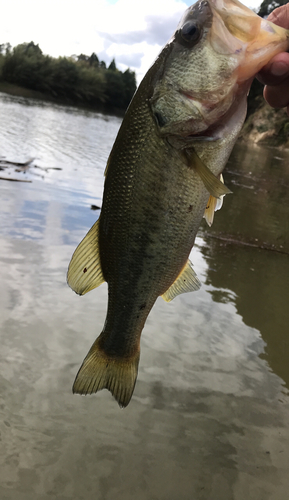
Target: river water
209 418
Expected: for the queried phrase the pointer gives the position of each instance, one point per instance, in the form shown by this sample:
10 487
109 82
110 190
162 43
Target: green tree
129 81
112 66
33 50
23 65
115 89
93 60
8 48
77 80
82 57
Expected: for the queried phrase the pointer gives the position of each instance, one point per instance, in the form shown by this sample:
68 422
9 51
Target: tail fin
99 371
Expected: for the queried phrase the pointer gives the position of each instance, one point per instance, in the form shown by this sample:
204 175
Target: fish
163 175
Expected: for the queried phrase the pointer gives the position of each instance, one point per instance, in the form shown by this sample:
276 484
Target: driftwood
48 168
17 164
13 180
22 167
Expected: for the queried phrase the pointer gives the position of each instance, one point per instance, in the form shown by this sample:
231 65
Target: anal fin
84 271
187 281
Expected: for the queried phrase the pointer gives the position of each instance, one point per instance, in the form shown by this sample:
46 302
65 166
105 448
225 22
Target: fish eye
190 32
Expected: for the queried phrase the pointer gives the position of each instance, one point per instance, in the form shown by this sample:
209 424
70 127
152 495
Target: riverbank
11 89
266 126
17 90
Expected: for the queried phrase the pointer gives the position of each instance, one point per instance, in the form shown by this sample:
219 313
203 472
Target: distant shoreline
17 90
10 88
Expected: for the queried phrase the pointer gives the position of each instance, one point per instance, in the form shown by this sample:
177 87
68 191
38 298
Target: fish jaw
237 29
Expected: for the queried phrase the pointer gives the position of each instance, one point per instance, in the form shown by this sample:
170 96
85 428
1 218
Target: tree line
78 79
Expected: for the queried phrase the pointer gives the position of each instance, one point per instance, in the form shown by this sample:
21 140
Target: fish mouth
212 133
216 110
238 30
234 112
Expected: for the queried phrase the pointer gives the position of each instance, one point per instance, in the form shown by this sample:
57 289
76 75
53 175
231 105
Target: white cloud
132 32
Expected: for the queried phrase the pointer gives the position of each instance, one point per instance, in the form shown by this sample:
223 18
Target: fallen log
16 163
13 180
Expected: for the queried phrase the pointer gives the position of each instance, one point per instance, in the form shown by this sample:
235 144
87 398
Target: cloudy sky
131 31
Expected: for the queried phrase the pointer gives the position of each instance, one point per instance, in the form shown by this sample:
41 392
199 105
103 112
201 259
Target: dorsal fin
187 281
84 271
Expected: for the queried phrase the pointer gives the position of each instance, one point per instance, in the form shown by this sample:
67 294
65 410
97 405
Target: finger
280 16
277 95
276 71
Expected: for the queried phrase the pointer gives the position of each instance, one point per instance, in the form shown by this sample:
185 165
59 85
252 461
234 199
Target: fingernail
279 68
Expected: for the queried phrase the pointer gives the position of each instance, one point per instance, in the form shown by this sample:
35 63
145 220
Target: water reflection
76 141
208 419
258 277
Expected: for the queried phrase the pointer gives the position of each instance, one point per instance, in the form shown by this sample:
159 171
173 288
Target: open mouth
225 122
210 134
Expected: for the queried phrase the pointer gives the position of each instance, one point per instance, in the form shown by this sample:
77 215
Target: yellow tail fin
99 371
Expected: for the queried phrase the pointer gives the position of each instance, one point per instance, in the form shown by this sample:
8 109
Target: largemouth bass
163 174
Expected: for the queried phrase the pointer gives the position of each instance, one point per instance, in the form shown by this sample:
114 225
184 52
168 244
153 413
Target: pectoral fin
215 187
84 271
213 205
187 281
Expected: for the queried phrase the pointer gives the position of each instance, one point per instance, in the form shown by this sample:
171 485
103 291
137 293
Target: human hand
275 75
